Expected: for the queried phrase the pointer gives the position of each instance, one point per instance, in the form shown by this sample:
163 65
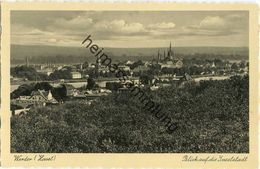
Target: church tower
170 52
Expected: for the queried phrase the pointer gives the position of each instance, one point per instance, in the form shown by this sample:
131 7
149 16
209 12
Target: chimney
27 62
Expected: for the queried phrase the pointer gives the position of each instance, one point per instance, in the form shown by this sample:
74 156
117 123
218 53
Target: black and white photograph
99 81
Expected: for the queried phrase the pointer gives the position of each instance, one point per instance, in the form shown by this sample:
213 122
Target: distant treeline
68 59
52 54
29 73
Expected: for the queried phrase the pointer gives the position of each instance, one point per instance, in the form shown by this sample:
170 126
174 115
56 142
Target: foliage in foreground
212 117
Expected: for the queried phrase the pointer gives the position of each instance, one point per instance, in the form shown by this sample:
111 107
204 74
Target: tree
23 90
91 84
146 79
242 64
43 86
234 66
136 64
195 70
85 65
60 93
113 86
154 69
28 73
60 74
212 117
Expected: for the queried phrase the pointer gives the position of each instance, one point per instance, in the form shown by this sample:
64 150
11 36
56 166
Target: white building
76 75
47 71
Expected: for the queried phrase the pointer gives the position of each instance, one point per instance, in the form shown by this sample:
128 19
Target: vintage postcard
129 85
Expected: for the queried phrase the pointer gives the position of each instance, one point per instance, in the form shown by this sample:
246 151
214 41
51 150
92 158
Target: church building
169 61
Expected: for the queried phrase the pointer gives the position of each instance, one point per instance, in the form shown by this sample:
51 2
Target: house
43 96
147 64
39 67
59 67
140 69
103 69
172 64
46 71
186 80
39 97
79 66
213 65
71 91
75 75
129 62
186 77
124 68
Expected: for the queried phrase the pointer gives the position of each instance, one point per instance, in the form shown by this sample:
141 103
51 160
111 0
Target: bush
212 118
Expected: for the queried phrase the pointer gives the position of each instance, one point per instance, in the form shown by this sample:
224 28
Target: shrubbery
28 73
212 117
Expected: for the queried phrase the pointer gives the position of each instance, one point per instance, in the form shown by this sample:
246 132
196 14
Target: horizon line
129 47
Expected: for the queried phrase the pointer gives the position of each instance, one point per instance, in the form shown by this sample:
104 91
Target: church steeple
170 52
159 58
170 47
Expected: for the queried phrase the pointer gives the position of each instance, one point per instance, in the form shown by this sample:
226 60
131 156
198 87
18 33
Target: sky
131 29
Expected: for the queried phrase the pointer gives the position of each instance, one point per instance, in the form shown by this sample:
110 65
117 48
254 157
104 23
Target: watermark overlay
137 92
